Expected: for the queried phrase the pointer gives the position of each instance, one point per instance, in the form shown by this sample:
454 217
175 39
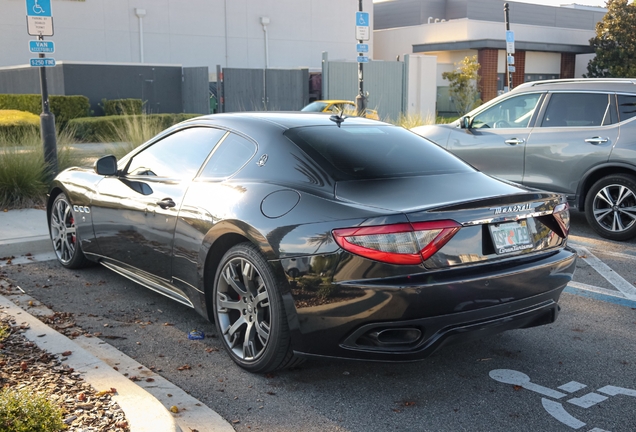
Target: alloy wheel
63 231
243 309
614 208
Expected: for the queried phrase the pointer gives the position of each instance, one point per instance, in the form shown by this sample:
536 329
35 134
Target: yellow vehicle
337 106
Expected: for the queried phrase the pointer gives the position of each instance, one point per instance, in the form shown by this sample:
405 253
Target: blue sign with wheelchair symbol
510 36
41 8
362 19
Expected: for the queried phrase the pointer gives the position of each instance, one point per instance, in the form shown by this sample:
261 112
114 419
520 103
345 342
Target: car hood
406 194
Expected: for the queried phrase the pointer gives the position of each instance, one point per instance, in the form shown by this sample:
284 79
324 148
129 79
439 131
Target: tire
610 207
63 233
249 313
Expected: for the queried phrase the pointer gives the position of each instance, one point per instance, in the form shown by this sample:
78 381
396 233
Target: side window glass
626 106
177 156
514 112
577 110
233 152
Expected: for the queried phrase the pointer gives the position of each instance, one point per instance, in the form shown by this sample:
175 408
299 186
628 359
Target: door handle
596 140
514 141
166 203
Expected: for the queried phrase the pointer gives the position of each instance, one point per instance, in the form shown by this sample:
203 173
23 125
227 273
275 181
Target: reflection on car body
362 240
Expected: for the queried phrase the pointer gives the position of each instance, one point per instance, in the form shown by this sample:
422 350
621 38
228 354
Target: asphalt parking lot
576 374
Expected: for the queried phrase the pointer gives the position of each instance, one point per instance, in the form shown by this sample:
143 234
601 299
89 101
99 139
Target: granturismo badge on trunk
511 209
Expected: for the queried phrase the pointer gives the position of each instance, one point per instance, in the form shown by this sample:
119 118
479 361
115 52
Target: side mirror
465 122
106 165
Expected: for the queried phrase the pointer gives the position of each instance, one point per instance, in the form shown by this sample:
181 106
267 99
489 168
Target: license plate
510 237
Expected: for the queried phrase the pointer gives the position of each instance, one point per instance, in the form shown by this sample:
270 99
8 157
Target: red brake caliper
72 221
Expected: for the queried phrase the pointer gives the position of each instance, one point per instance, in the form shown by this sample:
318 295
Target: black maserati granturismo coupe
304 234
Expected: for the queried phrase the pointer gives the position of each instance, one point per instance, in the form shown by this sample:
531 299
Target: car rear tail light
407 244
562 215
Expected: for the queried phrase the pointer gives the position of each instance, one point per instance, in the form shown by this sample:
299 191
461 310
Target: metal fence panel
287 89
270 89
384 81
243 89
195 90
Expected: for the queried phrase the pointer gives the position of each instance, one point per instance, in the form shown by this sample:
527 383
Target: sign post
510 48
40 24
362 34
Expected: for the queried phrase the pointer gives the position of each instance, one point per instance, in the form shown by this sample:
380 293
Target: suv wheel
610 207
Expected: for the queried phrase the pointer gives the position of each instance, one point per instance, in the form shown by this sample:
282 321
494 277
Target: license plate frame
508 237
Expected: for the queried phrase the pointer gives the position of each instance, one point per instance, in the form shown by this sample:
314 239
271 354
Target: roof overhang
501 44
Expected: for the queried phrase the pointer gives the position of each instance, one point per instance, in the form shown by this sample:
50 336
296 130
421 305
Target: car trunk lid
498 220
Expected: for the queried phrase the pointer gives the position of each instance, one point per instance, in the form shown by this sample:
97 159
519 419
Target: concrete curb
31 245
144 413
192 416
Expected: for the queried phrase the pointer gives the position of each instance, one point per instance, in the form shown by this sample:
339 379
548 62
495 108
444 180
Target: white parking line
596 289
610 275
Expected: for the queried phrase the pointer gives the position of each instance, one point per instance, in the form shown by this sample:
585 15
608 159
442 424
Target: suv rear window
577 110
626 106
368 152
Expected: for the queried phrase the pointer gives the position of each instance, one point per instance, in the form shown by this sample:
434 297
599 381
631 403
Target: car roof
286 120
588 84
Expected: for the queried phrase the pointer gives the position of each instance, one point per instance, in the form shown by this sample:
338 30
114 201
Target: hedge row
14 123
96 129
122 106
64 108
13 132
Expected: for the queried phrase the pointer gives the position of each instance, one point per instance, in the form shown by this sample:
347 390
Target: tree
464 84
614 43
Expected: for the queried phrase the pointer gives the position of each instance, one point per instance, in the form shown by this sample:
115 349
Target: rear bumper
411 319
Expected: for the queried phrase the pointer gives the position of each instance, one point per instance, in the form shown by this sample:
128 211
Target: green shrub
108 128
64 108
23 102
409 121
23 172
15 117
122 106
21 410
14 122
4 332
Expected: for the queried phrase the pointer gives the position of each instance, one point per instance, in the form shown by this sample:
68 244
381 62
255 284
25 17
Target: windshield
369 152
514 112
315 107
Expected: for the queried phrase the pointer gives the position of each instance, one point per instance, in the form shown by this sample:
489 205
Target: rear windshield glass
626 106
368 152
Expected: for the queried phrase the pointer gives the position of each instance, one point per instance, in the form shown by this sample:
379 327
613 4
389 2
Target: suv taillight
407 244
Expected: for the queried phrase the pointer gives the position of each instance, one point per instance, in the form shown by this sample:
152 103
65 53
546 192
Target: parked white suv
573 136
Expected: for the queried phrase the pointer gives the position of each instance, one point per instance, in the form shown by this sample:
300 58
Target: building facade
230 33
550 42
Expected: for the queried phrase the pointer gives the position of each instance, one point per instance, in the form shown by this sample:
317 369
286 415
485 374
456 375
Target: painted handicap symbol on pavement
556 409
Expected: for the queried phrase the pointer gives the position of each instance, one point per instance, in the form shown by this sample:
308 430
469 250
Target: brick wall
518 76
568 61
487 58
